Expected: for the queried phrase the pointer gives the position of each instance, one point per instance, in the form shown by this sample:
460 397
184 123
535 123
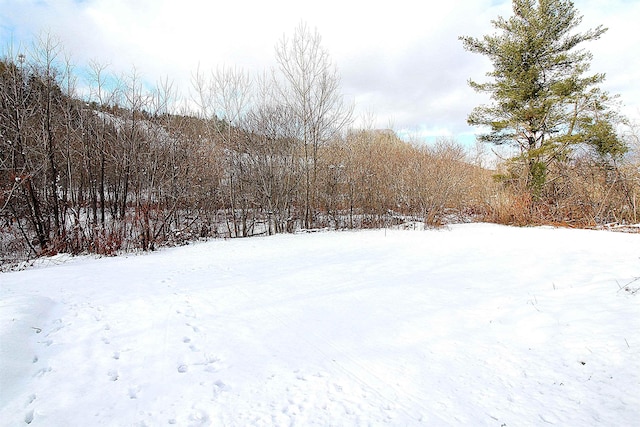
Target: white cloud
403 61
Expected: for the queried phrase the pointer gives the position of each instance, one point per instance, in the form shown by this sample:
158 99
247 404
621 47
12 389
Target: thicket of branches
116 167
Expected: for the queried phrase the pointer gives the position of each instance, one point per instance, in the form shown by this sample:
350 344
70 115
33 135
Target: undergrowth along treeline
117 167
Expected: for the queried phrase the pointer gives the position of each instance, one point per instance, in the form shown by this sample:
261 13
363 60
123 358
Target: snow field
477 325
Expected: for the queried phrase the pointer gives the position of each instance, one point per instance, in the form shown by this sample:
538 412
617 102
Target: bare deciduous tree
310 87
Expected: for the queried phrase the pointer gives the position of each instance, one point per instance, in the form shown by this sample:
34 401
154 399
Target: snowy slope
475 325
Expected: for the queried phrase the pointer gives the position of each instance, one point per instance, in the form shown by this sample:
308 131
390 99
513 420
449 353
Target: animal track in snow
58 325
199 418
220 386
190 312
194 327
211 363
192 346
28 418
113 375
43 371
133 392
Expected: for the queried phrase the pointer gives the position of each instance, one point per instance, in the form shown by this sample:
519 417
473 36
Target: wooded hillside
117 166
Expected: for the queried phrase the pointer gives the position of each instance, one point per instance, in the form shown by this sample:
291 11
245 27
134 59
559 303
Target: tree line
117 167
108 164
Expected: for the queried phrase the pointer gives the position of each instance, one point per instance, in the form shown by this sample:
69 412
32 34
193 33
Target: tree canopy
543 98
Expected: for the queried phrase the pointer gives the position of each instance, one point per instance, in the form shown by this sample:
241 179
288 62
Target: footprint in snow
133 392
219 387
190 313
212 369
28 418
199 418
113 375
57 326
43 371
192 346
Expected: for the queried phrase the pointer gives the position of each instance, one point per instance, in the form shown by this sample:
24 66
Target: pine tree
543 100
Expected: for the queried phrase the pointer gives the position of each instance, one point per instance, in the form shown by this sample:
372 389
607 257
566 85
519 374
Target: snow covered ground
476 325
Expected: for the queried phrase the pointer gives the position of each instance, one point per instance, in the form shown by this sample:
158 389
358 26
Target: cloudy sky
401 62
